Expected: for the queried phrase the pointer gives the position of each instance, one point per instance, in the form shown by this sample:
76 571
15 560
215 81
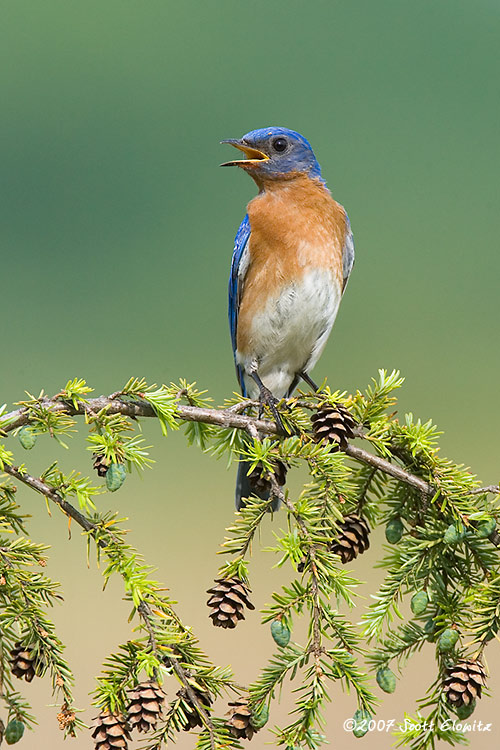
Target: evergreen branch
333 664
291 600
148 618
245 526
398 644
219 417
485 605
222 739
438 520
391 469
403 566
365 488
51 494
143 608
226 418
134 409
287 659
317 648
491 489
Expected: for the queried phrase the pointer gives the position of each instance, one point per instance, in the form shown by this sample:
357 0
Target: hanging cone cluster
228 599
240 719
146 703
333 424
193 718
261 485
353 538
100 464
110 731
463 682
23 662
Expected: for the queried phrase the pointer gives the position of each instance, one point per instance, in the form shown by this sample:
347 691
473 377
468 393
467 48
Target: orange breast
295 225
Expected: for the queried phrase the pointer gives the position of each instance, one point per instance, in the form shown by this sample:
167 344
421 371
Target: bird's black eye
279 145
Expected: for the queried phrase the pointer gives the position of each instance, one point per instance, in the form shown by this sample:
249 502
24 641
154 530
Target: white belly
291 332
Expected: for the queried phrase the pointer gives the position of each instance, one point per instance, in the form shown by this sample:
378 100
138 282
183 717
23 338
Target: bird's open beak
253 155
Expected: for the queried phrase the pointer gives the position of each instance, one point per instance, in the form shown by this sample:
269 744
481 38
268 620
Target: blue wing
238 266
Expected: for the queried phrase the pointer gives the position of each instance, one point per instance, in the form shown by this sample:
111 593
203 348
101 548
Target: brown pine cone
353 538
228 599
193 718
145 708
333 424
240 717
100 464
464 682
110 731
261 484
24 663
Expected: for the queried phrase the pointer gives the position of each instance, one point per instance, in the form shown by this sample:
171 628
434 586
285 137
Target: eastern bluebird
292 257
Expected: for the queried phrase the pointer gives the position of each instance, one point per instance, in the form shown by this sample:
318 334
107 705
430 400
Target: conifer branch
311 554
226 418
490 489
389 468
441 525
147 616
143 608
39 486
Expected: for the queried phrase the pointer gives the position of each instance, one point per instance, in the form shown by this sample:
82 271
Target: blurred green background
117 231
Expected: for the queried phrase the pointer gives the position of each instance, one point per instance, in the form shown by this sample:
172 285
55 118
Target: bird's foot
268 399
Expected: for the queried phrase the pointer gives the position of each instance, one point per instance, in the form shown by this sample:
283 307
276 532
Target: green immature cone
485 528
361 720
463 712
386 679
115 477
13 732
394 530
452 535
447 639
27 437
258 719
280 632
419 602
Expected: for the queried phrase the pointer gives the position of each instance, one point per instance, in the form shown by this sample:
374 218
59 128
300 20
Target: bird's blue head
274 153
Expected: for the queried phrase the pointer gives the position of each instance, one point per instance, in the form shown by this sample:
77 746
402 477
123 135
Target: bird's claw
268 399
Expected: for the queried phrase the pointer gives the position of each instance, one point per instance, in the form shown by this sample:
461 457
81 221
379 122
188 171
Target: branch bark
135 409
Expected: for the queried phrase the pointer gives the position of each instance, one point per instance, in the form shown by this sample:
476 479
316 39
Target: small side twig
52 494
489 489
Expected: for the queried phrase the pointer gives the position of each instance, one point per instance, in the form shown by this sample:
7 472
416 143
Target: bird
292 257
